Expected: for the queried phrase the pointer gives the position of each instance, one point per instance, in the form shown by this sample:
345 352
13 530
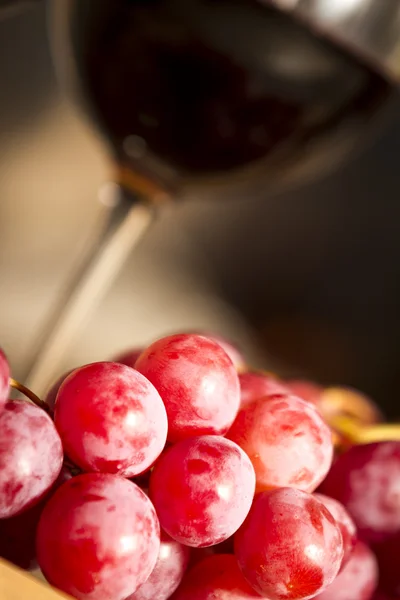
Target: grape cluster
177 472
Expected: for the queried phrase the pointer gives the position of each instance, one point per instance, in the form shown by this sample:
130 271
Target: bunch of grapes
177 472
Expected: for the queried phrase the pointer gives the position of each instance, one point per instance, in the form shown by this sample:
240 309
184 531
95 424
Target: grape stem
29 394
358 433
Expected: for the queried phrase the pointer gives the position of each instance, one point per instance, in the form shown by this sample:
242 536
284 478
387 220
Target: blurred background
306 282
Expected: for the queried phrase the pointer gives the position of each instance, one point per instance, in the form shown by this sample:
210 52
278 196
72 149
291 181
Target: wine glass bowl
233 95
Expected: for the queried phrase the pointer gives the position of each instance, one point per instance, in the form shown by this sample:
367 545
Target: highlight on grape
178 471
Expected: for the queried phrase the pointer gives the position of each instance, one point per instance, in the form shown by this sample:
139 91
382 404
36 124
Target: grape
51 395
216 577
358 579
4 379
232 351
202 489
254 386
287 441
366 480
30 456
168 572
345 523
98 537
129 357
110 419
306 390
289 546
197 382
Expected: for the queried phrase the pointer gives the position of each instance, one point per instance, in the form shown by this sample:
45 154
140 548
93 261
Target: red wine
187 89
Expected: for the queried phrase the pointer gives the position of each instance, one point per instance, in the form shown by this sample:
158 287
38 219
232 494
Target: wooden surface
18 585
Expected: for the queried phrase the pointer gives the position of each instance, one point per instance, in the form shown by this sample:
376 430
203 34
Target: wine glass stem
127 222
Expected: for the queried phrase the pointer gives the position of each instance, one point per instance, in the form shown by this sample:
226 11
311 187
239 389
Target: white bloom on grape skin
314 553
129 543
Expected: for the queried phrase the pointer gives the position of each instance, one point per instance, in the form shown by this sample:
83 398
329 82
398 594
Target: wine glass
212 97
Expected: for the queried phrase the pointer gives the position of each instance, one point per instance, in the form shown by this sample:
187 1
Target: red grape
4 379
232 351
30 456
129 357
98 537
289 546
217 577
230 348
197 382
202 489
345 523
287 441
254 386
358 579
51 395
110 419
306 390
366 480
167 574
